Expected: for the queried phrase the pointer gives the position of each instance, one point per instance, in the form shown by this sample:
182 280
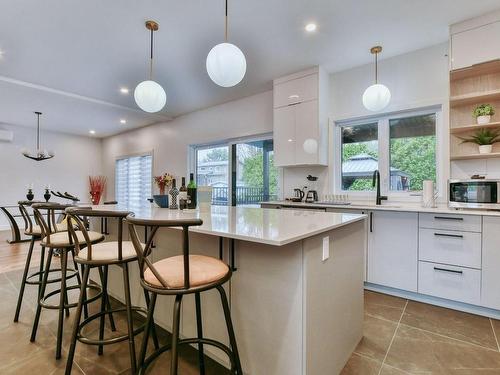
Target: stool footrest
85 340
204 341
44 304
70 274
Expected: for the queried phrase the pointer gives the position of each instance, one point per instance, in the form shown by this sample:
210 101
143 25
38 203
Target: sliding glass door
240 172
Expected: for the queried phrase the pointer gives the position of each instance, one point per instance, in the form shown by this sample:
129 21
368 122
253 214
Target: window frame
384 153
133 155
231 143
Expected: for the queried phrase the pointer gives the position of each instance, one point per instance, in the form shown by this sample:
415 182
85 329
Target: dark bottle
191 192
174 195
183 195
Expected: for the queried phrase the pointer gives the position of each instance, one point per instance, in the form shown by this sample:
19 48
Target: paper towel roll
428 197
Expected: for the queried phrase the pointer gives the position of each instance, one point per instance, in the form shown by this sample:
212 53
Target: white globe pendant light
377 96
149 95
226 63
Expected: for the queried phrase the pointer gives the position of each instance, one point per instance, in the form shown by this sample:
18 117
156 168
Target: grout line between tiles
393 337
494 334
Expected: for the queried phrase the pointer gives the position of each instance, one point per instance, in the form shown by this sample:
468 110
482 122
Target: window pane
359 156
256 175
412 151
133 180
212 169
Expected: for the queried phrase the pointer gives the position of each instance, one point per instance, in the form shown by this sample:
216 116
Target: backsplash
296 177
463 169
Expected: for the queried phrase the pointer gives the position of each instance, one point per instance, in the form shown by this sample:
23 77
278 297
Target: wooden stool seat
37 231
204 270
107 252
61 239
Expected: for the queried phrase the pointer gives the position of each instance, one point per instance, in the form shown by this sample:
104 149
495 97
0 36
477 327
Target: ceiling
69 58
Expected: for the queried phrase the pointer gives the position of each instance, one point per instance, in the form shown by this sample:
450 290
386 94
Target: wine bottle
174 195
191 192
183 194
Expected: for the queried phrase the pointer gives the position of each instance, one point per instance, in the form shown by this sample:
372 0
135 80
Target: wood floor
400 337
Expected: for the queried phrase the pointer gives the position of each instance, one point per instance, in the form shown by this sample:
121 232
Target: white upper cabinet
475 41
301 119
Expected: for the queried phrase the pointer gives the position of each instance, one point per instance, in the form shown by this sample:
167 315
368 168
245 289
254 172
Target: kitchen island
296 294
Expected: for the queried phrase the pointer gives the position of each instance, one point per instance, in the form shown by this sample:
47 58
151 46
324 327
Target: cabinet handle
371 222
449 235
447 270
448 218
295 103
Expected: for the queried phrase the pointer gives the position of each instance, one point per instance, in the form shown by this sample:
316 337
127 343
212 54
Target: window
402 147
251 165
133 179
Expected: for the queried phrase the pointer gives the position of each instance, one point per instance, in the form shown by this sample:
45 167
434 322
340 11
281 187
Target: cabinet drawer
468 223
454 283
450 247
296 91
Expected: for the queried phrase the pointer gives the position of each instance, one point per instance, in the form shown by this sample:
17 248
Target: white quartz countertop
389 206
267 226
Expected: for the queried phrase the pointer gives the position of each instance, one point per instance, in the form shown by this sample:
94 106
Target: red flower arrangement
163 182
97 185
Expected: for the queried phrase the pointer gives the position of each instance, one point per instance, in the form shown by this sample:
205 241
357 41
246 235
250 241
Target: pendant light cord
376 68
37 131
225 32
151 58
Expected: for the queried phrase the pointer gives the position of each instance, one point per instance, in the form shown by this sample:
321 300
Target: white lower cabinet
450 282
392 249
490 283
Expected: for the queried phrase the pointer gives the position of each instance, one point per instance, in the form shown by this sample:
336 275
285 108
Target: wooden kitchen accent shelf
469 87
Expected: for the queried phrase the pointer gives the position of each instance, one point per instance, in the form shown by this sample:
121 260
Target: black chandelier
38 154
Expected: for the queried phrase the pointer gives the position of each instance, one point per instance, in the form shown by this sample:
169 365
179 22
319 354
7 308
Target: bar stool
178 276
34 231
104 254
52 240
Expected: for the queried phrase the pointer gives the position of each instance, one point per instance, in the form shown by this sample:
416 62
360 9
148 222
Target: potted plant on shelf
483 113
164 181
484 138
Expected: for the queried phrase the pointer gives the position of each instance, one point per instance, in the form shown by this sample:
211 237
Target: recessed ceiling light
123 121
124 90
92 132
310 27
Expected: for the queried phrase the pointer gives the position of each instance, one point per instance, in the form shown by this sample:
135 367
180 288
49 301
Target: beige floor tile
387 370
455 324
359 365
384 306
496 327
42 362
377 335
418 351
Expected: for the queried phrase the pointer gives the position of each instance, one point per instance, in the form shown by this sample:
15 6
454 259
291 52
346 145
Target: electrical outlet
326 248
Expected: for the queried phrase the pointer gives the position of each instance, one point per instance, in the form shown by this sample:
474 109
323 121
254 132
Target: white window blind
133 179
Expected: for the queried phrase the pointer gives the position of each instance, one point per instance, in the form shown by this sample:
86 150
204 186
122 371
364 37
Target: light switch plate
326 248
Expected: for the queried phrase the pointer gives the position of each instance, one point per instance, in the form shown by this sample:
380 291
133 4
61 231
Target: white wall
170 141
75 159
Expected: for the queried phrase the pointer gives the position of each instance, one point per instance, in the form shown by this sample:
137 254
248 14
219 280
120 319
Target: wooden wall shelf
475 156
462 129
474 97
490 67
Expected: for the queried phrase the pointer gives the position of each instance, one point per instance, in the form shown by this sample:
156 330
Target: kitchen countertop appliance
474 193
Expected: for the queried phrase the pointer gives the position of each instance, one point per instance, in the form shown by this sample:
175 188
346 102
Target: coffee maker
312 193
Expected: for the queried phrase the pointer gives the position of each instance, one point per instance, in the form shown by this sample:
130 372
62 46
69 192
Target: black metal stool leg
199 326
152 327
230 330
147 329
42 293
23 282
100 349
62 302
130 322
40 275
78 316
175 334
108 302
85 307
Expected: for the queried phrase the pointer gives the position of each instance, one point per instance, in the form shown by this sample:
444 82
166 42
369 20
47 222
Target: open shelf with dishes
469 88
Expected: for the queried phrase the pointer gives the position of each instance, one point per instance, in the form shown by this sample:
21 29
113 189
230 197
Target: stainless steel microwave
482 194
